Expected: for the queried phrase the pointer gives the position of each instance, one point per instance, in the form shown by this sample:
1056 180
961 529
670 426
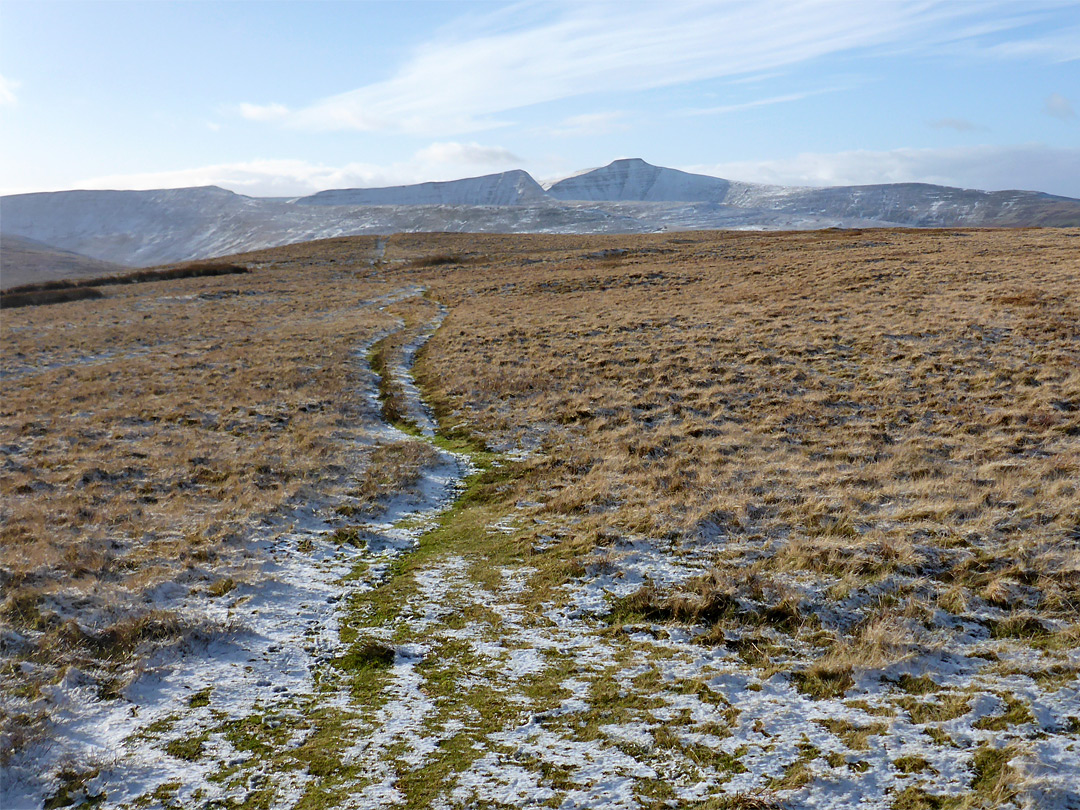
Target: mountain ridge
514 187
144 228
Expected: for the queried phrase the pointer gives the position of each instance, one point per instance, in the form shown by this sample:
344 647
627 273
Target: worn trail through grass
183 726
488 667
494 624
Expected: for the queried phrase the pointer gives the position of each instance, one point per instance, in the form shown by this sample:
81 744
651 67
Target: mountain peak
514 187
634 180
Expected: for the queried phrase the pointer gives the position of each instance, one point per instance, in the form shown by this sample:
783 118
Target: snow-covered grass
162 451
775 521
200 711
843 444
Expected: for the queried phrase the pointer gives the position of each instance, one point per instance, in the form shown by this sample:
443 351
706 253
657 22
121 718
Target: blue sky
286 98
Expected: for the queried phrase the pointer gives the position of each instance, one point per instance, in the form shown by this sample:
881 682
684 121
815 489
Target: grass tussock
202 269
65 290
144 436
391 469
437 260
36 298
897 415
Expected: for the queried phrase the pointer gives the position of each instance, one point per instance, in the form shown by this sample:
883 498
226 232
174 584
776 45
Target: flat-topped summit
507 188
632 179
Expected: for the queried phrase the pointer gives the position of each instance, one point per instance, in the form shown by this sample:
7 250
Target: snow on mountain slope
922 204
509 188
131 227
143 228
635 180
918 204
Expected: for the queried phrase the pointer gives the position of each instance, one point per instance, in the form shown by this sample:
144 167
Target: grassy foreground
757 520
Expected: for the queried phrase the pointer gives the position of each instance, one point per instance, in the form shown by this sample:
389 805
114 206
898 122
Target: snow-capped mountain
635 180
508 188
915 204
143 228
138 228
919 204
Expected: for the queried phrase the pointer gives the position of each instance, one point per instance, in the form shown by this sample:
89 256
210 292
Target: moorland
709 519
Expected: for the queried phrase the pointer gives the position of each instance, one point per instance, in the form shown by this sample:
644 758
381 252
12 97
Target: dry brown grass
390 469
847 408
887 419
147 433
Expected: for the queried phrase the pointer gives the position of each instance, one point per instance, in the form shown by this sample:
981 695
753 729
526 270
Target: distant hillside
509 188
916 204
924 205
145 228
25 261
137 228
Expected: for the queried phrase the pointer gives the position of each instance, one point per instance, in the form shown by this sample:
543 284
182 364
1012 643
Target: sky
287 98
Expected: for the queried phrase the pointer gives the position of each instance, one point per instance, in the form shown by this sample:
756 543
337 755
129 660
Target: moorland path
182 723
457 661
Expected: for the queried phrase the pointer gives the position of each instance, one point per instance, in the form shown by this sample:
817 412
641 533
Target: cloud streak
589 125
725 109
7 92
294 178
1030 167
466 81
466 154
958 124
263 112
1058 106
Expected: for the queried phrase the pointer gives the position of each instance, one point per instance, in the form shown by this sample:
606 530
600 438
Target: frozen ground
649 715
263 645
469 684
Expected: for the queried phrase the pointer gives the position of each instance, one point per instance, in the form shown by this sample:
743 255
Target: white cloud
1031 167
467 154
466 79
268 178
293 178
264 112
724 109
589 124
959 124
1059 107
7 91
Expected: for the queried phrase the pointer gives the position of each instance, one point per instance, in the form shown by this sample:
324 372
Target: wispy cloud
724 109
7 91
1058 106
1061 46
263 112
289 178
1032 167
589 125
959 124
466 154
468 80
